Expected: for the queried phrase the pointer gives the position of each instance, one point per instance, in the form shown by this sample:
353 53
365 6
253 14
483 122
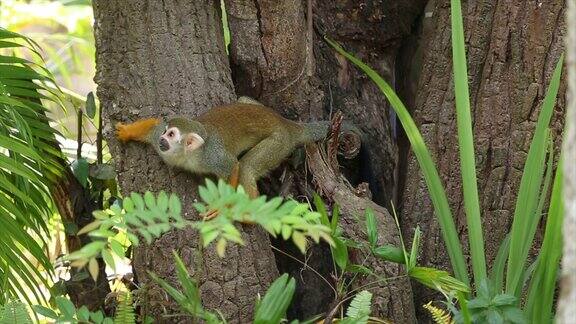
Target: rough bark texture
393 297
512 48
283 63
164 58
566 310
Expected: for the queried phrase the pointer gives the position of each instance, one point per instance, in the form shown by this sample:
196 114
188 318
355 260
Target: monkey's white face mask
173 141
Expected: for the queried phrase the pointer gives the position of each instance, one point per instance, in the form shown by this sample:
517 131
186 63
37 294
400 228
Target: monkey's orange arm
136 131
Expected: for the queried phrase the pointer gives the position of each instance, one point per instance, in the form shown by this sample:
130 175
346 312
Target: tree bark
281 59
163 58
512 48
566 311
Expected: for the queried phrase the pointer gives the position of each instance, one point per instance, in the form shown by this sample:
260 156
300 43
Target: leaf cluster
66 312
29 165
286 218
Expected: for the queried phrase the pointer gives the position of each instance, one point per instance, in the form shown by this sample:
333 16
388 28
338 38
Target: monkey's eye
171 134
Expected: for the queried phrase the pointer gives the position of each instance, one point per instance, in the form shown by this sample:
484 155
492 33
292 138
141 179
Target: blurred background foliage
63 30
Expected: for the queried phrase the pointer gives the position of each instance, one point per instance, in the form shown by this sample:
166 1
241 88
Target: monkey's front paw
122 132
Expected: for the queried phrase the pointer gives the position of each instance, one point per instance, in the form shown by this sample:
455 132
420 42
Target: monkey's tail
317 131
314 131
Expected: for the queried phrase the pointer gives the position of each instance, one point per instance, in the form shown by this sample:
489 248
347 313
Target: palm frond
28 166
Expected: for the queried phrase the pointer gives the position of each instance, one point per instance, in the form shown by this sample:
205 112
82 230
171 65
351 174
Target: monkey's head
180 136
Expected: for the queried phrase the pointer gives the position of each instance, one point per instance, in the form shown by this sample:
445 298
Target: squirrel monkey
240 142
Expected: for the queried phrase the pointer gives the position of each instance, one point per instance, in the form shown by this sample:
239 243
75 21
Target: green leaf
90 105
80 170
89 227
97 317
300 241
321 207
83 314
466 145
542 288
357 268
340 253
371 228
438 280
109 259
414 251
433 182
137 200
102 171
65 306
522 236
117 248
390 253
149 200
503 299
174 204
162 202
497 273
273 306
44 311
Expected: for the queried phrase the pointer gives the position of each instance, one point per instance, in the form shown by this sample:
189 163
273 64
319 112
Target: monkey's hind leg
263 157
235 175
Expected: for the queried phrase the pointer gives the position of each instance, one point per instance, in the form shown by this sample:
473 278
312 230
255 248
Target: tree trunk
158 58
512 48
279 57
566 311
161 58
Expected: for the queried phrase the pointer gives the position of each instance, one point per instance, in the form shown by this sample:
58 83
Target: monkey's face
173 141
170 140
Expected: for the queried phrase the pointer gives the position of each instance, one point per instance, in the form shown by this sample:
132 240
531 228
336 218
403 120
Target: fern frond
439 315
14 312
360 307
125 310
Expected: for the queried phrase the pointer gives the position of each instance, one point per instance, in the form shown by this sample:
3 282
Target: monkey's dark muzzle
164 146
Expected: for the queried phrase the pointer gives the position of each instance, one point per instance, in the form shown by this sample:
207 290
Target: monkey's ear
193 141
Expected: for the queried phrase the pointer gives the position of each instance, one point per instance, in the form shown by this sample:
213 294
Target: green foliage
29 164
543 284
489 307
272 308
68 313
526 213
439 316
125 309
188 299
439 280
433 182
14 312
530 202
466 145
150 217
64 33
289 219
146 216
359 309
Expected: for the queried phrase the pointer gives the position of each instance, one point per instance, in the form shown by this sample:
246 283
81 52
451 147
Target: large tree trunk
279 57
158 58
161 58
512 48
566 310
